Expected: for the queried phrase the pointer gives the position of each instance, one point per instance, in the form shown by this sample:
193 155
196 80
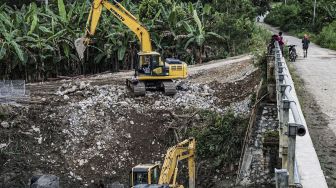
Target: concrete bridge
298 154
297 158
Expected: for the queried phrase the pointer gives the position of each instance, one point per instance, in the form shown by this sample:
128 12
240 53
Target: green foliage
297 18
285 16
220 141
258 42
301 33
262 6
327 37
330 8
61 10
197 34
148 8
2 116
36 42
271 134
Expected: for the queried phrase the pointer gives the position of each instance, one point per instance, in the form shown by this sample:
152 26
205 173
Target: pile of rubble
119 98
90 108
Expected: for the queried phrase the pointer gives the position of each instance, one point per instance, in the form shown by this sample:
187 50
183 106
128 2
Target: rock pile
119 98
98 116
260 171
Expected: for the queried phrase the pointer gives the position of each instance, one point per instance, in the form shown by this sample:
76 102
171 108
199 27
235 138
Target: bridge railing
300 163
290 122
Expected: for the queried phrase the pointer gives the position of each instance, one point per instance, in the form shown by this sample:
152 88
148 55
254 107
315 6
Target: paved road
318 72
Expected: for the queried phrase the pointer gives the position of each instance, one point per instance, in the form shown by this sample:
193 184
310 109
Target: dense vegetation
219 142
36 41
297 16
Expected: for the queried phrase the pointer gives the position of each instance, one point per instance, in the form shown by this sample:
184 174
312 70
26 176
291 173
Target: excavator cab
150 64
144 174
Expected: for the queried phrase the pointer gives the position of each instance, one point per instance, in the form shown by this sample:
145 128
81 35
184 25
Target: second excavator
151 70
147 175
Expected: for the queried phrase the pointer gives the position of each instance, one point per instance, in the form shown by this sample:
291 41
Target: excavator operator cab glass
140 178
150 64
154 172
155 62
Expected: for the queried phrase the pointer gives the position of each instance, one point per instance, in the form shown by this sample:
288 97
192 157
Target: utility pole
314 14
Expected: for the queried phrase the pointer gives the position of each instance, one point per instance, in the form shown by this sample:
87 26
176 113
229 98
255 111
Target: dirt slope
90 131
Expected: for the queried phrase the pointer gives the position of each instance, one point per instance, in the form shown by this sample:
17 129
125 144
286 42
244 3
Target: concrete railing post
24 87
283 131
270 73
292 132
281 178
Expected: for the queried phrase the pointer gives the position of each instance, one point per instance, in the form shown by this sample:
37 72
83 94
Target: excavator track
138 88
169 87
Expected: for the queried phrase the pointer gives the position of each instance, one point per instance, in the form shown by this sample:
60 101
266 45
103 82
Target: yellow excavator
151 72
147 175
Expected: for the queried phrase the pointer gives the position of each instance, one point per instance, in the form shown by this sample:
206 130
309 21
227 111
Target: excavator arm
123 15
181 151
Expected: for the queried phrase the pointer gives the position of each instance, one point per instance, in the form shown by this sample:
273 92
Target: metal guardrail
290 123
11 90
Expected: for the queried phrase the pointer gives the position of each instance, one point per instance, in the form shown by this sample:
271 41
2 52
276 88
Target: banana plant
10 38
331 10
197 35
38 40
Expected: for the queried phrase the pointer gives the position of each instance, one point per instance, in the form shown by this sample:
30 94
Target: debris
3 146
35 129
44 181
39 140
66 97
5 124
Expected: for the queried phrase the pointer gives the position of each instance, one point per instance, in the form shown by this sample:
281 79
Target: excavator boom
183 150
123 15
144 175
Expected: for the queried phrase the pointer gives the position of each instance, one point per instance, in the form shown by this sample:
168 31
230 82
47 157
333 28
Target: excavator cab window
151 64
157 67
155 61
140 178
155 175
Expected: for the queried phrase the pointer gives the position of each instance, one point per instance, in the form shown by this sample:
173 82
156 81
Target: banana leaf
121 53
18 51
61 10
2 52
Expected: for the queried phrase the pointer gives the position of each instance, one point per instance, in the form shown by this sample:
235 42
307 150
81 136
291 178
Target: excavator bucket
80 47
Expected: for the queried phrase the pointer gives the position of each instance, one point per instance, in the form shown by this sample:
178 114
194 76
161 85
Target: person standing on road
305 45
281 42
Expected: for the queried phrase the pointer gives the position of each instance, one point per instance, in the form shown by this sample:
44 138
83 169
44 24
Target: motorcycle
292 52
